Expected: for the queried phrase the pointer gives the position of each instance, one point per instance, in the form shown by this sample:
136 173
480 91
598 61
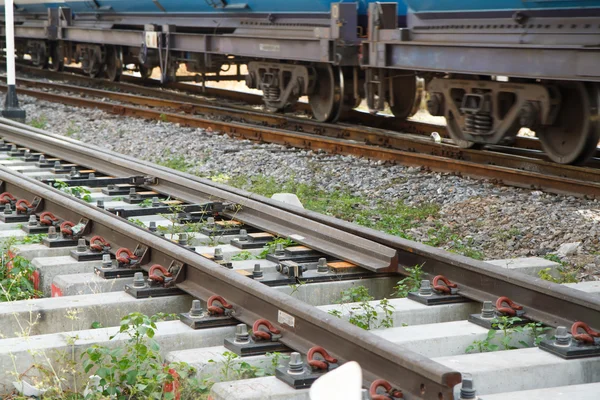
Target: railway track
419 349
416 150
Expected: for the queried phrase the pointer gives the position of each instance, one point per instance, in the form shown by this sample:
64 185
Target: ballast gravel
499 221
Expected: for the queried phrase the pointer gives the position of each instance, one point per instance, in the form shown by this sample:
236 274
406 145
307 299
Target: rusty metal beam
252 300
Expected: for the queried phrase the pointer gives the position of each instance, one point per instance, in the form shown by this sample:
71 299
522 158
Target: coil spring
271 93
479 123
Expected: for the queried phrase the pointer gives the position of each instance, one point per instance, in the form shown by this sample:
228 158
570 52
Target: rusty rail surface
252 300
503 168
543 301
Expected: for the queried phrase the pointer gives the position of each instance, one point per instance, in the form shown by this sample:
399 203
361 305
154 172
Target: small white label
285 318
296 237
152 40
269 47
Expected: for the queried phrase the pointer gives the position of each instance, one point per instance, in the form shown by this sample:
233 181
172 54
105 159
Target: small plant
537 331
175 162
145 203
72 130
411 283
563 275
508 328
40 122
235 368
76 191
220 178
272 245
163 117
136 370
485 345
32 238
243 255
16 276
364 314
137 222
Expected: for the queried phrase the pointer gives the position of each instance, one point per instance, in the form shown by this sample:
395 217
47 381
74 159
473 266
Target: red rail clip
446 287
217 310
390 393
512 308
6 198
23 206
98 243
47 218
158 278
65 228
320 364
259 334
125 256
588 336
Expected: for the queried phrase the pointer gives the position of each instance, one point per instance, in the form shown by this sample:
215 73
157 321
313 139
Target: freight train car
291 48
493 67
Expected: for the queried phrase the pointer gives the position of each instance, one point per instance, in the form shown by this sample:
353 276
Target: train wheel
114 63
576 131
57 58
407 94
326 101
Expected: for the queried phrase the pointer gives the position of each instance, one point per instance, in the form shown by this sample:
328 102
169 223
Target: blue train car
494 67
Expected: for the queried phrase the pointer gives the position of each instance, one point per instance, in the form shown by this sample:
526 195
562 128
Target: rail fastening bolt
257 273
322 267
425 289
91 175
243 234
106 261
73 171
182 239
218 253
296 365
100 203
562 336
7 209
27 153
138 280
196 311
467 391
279 250
155 202
210 221
487 311
81 246
52 233
42 159
241 334
13 147
152 226
32 221
56 164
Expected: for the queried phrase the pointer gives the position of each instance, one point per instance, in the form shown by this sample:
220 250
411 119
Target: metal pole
11 103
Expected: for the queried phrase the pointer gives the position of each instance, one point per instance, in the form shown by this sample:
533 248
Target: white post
11 104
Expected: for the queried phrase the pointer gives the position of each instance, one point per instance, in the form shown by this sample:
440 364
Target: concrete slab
588 287
87 283
10 226
58 314
50 267
408 312
527 265
326 293
443 339
590 391
523 369
31 251
268 388
17 355
17 233
212 362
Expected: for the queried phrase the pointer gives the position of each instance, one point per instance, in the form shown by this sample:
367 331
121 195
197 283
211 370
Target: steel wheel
407 94
326 101
576 131
114 65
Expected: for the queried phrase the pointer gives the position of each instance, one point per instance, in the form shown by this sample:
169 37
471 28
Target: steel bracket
152 291
206 321
303 380
297 254
256 240
488 322
575 349
437 298
89 255
254 348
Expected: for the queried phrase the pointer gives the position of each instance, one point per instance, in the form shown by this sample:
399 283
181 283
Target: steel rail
582 181
414 374
544 301
359 251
